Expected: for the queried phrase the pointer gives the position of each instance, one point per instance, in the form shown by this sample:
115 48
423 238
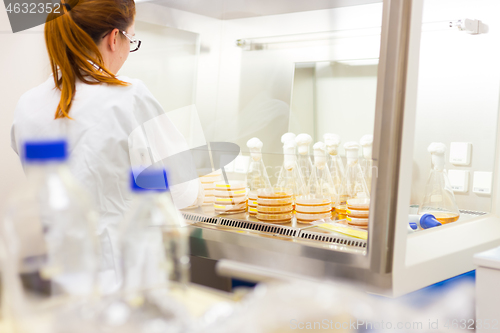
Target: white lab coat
98 140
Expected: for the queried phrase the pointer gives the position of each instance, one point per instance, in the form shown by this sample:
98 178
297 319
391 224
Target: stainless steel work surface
296 248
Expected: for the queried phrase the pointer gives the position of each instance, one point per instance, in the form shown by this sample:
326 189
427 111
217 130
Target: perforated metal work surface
275 229
332 238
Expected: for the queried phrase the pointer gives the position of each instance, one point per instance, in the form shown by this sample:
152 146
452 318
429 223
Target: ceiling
234 9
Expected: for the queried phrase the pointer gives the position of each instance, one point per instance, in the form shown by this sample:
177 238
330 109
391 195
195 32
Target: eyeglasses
135 44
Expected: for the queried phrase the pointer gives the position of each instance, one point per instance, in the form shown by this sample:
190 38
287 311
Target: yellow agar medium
361 234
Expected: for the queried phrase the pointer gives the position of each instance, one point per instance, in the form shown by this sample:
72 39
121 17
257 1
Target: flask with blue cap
48 232
424 221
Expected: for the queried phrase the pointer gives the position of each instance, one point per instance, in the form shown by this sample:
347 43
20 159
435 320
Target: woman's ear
111 39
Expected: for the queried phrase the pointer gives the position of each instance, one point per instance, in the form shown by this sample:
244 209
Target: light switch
459 180
482 182
460 153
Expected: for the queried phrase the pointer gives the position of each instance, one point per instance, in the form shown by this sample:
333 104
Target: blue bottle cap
149 180
41 151
429 221
413 225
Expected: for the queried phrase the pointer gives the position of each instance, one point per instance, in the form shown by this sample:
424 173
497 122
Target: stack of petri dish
252 203
207 182
274 207
357 212
230 198
308 210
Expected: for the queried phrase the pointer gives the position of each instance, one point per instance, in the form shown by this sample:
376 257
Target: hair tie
68 7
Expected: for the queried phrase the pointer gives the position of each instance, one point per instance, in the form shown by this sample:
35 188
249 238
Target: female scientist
86 102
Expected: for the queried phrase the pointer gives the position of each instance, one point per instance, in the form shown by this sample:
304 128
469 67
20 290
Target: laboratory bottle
367 162
439 199
257 177
304 158
290 180
354 183
154 236
49 235
154 260
335 164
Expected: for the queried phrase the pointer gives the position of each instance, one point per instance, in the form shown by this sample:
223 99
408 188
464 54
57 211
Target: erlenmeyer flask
335 164
317 204
354 183
257 177
288 137
367 162
304 158
439 199
290 179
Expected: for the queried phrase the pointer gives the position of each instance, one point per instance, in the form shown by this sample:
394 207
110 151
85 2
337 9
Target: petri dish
230 206
274 209
232 185
252 202
229 200
252 210
208 186
359 203
308 218
304 201
274 201
209 198
313 209
357 221
227 212
275 218
227 194
358 213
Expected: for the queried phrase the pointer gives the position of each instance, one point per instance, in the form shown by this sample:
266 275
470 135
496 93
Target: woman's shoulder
136 86
44 89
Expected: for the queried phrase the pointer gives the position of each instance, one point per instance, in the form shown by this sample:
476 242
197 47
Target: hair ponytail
72 37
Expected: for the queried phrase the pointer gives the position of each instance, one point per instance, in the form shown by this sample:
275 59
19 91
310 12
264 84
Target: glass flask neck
333 150
367 152
437 161
256 156
303 150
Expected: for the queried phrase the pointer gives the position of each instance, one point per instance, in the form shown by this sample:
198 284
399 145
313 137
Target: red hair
71 38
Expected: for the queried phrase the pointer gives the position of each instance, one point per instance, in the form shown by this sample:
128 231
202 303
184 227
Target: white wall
458 91
302 104
345 100
23 65
207 72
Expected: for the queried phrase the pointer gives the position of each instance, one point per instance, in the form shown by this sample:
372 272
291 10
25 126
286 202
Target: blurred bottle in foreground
50 239
154 262
154 237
